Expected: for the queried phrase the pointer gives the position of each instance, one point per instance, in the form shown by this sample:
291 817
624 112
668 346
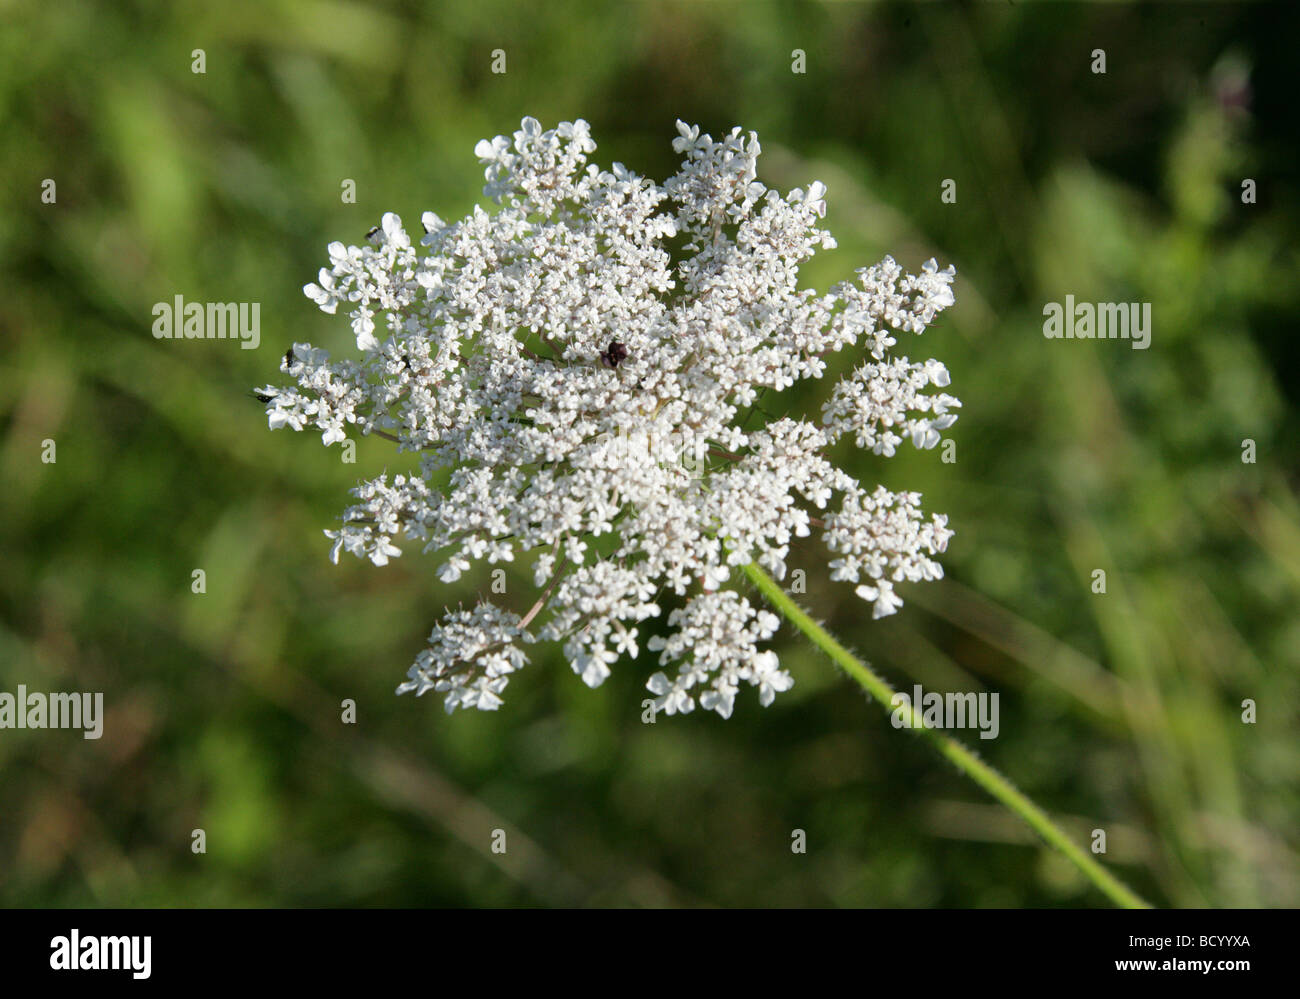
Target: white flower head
592 406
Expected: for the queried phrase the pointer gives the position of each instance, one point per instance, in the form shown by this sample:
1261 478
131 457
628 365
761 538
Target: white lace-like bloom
586 363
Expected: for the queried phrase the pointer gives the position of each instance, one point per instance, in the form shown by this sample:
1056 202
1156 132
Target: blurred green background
1119 711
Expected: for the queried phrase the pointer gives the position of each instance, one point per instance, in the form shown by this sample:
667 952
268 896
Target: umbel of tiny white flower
590 398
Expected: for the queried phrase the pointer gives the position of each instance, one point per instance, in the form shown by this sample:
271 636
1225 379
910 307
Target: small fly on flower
374 231
614 354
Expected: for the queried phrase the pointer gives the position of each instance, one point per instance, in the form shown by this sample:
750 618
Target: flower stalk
963 758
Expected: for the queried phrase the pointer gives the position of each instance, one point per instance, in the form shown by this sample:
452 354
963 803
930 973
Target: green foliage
1120 711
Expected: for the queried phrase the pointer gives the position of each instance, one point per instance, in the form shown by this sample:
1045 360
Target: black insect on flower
614 354
288 358
374 231
261 397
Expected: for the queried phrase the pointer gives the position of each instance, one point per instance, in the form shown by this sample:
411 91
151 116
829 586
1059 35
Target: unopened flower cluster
581 379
